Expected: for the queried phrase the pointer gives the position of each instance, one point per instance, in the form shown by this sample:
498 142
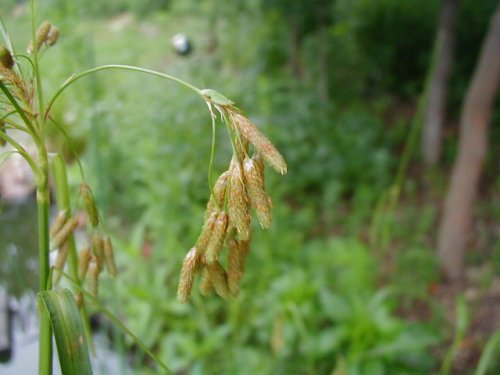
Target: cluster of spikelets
227 216
94 256
22 89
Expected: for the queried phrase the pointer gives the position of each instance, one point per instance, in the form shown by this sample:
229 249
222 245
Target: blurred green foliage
310 304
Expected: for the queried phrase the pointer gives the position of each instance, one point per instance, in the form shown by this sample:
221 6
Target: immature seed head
206 285
257 195
218 277
262 144
6 59
238 209
52 36
83 262
90 206
98 249
188 272
109 255
58 223
40 36
60 238
216 201
216 242
60 262
237 252
94 271
206 232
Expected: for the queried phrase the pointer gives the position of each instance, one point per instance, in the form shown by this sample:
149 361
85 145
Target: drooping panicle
261 143
238 209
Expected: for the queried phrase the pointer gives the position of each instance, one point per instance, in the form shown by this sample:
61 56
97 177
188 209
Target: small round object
181 44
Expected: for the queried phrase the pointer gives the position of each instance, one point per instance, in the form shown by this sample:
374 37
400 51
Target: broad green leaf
216 97
68 331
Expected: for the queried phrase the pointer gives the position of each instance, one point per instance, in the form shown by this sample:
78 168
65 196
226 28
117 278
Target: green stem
43 203
76 77
63 204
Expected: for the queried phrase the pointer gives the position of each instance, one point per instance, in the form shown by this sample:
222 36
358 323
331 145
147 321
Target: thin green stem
58 168
76 77
212 157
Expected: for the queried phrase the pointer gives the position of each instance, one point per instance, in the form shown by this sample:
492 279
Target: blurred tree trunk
436 102
474 122
295 56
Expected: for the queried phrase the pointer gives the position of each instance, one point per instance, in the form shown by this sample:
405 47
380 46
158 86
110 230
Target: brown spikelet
257 195
90 205
62 255
94 271
238 209
240 147
98 249
206 233
6 60
262 144
79 299
58 223
63 234
237 253
52 36
188 272
40 36
206 285
218 278
216 201
109 255
83 262
217 239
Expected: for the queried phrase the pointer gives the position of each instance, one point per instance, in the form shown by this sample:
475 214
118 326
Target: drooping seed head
94 271
262 144
188 272
218 278
216 242
90 206
6 59
52 36
238 209
83 262
58 223
257 195
62 255
63 234
206 285
109 255
40 37
206 233
216 201
98 249
237 252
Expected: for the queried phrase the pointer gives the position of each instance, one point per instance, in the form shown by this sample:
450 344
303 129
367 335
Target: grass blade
489 358
68 331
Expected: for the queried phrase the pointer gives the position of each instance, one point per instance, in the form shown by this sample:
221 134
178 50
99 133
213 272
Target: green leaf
68 331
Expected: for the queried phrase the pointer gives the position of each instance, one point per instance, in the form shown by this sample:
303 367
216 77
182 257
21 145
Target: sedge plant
62 313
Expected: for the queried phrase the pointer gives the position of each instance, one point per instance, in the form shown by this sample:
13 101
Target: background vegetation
335 85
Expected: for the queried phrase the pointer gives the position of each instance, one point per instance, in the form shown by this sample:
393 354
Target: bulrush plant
227 224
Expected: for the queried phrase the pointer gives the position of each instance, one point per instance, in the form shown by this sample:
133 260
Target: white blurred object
181 44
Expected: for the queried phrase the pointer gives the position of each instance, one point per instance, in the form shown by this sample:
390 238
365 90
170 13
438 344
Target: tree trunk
436 104
474 121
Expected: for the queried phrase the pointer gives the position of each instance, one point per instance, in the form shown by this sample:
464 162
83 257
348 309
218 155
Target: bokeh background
348 279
